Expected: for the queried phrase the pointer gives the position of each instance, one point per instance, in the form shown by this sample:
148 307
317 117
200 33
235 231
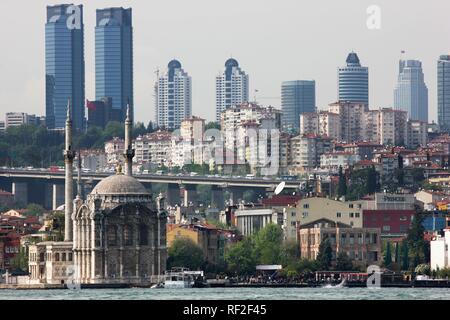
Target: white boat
179 278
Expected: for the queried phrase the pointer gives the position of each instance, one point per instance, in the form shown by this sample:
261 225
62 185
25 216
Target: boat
179 278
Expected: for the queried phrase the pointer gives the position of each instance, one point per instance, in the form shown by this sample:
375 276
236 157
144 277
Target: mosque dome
120 184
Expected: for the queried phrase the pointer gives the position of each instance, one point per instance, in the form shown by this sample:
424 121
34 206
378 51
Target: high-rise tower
353 81
64 65
232 87
443 83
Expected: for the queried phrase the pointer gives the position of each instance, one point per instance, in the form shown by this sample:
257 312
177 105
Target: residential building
439 249
417 134
443 84
306 151
334 160
173 97
411 92
93 160
353 81
362 245
391 127
250 221
352 120
114 151
64 65
114 58
207 237
315 208
15 119
297 97
232 87
154 148
322 123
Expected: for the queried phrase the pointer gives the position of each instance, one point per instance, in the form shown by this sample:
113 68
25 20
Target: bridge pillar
236 195
173 194
190 195
217 198
20 192
57 195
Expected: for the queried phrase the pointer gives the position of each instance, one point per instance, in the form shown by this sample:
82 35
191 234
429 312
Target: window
403 228
386 228
351 214
306 206
127 236
357 214
304 214
338 215
143 235
293 214
63 257
112 236
56 256
70 257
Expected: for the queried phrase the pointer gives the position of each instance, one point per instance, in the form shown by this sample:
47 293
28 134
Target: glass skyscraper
353 81
114 57
64 65
444 92
297 97
411 92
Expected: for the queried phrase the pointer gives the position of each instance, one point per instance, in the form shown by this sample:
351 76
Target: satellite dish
280 188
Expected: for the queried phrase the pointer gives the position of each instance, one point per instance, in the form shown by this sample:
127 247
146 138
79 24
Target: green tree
405 256
212 125
268 243
342 187
35 209
419 248
371 181
20 261
396 254
185 253
388 255
324 255
343 262
290 254
240 258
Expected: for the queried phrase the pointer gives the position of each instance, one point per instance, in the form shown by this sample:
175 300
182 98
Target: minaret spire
129 151
69 155
79 182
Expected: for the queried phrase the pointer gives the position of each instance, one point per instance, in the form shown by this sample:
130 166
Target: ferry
179 278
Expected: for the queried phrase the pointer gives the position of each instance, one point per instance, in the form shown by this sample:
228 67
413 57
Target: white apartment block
15 119
352 120
114 151
334 160
173 97
321 123
306 151
416 134
439 251
232 87
309 123
391 126
154 148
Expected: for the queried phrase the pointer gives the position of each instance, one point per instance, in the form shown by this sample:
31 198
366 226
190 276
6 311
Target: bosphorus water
232 294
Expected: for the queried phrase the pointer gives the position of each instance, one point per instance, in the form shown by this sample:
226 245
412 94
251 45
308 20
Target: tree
20 261
240 258
212 125
268 243
325 255
371 181
388 255
35 209
342 187
405 256
343 262
185 253
419 248
290 253
397 254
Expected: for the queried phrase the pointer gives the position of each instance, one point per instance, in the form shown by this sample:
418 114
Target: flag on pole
90 104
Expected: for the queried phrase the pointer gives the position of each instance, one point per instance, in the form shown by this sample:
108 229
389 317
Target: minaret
69 155
129 151
79 182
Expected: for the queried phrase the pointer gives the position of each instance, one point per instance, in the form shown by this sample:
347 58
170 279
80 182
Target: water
232 294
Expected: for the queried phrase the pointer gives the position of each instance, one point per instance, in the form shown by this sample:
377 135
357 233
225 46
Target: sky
273 41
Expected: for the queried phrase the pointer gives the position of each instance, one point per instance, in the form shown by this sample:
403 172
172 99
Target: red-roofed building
393 223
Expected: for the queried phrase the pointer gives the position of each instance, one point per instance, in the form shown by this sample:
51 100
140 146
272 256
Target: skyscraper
173 97
353 81
411 93
114 57
444 92
297 97
64 65
232 87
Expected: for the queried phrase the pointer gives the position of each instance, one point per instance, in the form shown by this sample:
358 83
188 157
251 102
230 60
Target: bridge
47 187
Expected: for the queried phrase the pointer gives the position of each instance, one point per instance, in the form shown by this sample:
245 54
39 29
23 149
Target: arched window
112 236
56 256
143 235
127 235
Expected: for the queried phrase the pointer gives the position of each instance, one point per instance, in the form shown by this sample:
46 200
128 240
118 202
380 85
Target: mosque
116 236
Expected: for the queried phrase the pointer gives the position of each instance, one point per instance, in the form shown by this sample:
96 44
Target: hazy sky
272 40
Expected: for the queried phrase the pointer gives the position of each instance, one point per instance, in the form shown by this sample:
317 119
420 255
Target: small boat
179 278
